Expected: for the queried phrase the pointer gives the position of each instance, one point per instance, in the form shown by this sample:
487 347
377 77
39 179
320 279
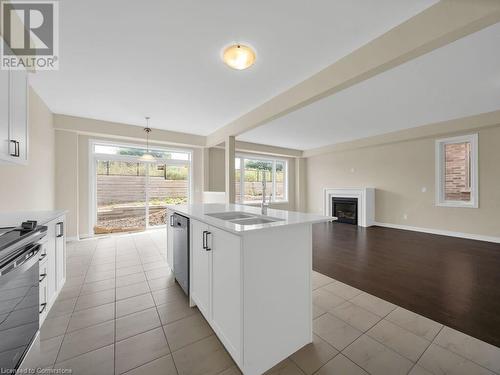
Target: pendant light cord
147 129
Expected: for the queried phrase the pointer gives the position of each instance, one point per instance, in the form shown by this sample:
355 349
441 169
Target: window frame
264 158
92 177
473 171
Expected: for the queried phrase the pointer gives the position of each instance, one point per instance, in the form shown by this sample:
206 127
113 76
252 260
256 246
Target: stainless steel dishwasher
180 226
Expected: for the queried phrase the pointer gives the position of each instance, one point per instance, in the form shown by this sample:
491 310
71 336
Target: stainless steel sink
256 220
231 215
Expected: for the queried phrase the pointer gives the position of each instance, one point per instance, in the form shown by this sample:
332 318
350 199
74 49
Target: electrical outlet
424 189
405 216
353 170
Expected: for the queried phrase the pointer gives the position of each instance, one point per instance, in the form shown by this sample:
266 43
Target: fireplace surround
365 203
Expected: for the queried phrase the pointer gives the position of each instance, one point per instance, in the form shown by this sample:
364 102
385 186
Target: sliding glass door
168 184
130 194
121 196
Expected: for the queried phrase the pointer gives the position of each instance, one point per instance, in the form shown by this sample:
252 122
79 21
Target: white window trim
273 159
474 171
93 157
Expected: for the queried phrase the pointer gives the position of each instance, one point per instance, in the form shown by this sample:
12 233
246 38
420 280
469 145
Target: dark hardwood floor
450 280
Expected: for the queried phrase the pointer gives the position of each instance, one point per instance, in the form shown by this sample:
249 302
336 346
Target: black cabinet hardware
16 148
60 229
204 240
43 305
208 248
43 276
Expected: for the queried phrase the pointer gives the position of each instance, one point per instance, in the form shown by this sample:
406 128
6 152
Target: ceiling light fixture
238 56
147 156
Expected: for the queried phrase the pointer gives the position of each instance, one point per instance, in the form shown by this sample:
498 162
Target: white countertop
200 211
15 218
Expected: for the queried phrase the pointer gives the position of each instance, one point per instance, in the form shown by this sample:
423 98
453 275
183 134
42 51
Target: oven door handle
12 273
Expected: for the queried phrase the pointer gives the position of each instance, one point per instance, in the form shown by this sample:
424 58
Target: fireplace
345 209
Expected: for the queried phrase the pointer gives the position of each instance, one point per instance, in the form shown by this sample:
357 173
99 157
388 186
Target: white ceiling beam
435 27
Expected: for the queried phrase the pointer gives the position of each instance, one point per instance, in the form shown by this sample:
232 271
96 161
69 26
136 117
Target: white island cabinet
252 283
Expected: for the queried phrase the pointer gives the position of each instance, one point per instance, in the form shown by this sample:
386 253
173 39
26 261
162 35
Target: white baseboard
441 232
74 238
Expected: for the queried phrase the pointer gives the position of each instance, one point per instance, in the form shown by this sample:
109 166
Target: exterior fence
128 189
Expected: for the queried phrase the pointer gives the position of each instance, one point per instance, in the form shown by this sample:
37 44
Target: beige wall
66 148
31 186
216 169
399 171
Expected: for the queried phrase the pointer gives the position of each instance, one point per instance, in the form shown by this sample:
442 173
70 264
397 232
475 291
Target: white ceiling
458 80
122 60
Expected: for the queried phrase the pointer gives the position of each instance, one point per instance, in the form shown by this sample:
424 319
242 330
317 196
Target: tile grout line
71 314
163 329
384 318
459 354
114 323
365 332
421 355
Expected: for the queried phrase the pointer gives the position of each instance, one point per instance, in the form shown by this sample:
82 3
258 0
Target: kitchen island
250 276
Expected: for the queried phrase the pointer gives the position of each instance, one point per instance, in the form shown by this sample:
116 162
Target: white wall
32 186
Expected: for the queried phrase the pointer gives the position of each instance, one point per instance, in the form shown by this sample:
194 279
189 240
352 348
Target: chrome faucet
264 205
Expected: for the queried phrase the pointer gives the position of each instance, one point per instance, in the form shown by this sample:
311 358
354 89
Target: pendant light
147 155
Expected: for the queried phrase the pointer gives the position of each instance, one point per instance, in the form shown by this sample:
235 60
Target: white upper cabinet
4 114
14 116
19 114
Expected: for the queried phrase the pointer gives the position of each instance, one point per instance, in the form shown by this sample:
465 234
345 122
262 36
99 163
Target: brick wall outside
456 172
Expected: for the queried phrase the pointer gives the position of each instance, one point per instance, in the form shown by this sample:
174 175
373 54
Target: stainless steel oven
19 294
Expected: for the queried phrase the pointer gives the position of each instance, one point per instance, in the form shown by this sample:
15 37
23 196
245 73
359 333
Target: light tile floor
120 312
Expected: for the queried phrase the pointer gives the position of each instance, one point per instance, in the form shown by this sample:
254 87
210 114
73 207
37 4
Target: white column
229 169
300 185
206 169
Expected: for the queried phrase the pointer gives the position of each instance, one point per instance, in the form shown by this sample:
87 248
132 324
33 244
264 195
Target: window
457 172
130 194
252 172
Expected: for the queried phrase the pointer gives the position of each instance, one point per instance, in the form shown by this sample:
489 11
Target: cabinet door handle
171 218
16 148
42 256
43 276
43 305
60 231
204 240
18 152
208 248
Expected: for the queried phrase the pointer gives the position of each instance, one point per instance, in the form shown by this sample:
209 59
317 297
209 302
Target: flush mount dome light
238 56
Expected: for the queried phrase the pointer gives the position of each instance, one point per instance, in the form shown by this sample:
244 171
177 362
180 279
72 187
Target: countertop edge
14 218
219 223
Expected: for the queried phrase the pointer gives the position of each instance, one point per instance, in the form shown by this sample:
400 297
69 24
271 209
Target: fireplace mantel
366 202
